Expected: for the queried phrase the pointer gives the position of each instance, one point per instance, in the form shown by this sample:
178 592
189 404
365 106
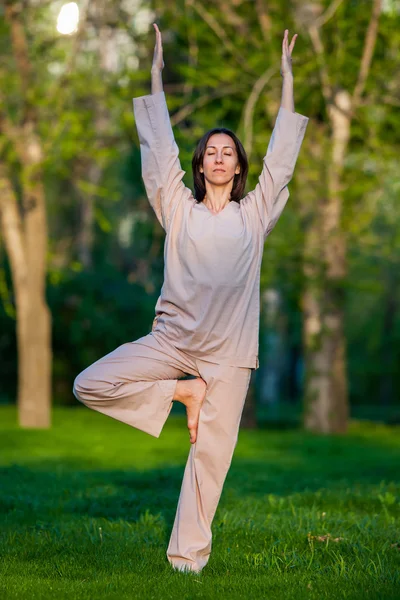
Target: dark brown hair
239 181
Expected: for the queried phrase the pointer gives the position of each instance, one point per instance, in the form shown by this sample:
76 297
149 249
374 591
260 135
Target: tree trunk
25 240
326 397
35 359
326 408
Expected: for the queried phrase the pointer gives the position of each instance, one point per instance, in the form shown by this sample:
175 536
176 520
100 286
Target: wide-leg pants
135 384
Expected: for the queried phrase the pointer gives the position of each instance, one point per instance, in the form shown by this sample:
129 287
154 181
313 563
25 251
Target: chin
220 177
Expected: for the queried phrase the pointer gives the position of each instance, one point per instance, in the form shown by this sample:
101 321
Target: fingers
158 33
292 43
286 49
284 41
158 38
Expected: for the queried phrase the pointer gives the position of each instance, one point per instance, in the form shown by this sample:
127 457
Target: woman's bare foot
191 393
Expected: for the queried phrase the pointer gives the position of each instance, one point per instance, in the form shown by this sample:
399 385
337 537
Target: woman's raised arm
161 169
271 192
158 64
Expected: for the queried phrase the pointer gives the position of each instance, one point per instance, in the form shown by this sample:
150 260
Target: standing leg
208 464
135 383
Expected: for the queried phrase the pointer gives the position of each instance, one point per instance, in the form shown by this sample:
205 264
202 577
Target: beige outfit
207 317
135 384
209 305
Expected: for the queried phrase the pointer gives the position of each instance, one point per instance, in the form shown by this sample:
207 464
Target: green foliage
95 314
87 508
215 57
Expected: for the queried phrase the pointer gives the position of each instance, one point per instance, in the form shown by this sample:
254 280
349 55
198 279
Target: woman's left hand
286 64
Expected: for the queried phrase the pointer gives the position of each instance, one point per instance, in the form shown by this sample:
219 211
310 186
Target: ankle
181 392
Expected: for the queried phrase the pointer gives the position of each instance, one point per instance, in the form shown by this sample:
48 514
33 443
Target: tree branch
323 70
328 14
11 225
264 20
250 106
369 46
188 109
220 33
13 14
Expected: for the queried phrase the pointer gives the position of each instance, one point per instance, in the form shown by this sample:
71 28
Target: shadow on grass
49 489
263 464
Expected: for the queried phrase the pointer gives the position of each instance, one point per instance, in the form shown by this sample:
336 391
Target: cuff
149 99
293 119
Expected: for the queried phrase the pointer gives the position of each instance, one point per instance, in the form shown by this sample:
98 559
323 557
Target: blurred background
81 251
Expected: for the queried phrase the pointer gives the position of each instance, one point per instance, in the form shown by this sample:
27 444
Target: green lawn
86 510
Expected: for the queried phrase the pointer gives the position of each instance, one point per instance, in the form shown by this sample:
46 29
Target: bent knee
80 388
87 388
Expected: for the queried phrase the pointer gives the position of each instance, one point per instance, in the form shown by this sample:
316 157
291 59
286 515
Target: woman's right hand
158 63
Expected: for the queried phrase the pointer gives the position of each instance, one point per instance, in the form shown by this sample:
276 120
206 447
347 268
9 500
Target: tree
326 395
25 235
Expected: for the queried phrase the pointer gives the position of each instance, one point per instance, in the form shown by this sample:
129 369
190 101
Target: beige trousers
135 384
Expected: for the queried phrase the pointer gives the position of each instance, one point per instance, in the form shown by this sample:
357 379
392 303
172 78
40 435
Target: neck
216 204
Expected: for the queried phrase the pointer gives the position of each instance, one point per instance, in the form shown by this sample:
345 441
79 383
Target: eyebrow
231 147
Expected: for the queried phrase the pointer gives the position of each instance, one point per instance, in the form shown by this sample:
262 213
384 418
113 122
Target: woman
207 315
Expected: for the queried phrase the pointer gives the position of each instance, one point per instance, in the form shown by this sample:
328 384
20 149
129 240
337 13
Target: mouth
223 170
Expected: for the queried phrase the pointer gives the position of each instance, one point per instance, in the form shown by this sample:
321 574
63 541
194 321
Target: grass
86 509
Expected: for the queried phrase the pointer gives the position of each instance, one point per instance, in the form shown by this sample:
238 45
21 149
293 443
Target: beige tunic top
209 305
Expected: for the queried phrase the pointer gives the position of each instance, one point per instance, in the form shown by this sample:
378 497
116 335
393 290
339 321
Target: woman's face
220 162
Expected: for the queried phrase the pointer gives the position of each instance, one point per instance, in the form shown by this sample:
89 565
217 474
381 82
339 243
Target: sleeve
161 170
271 192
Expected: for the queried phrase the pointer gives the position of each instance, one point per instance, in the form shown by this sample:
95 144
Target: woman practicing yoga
207 316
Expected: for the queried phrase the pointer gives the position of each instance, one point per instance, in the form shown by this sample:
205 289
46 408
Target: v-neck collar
215 214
